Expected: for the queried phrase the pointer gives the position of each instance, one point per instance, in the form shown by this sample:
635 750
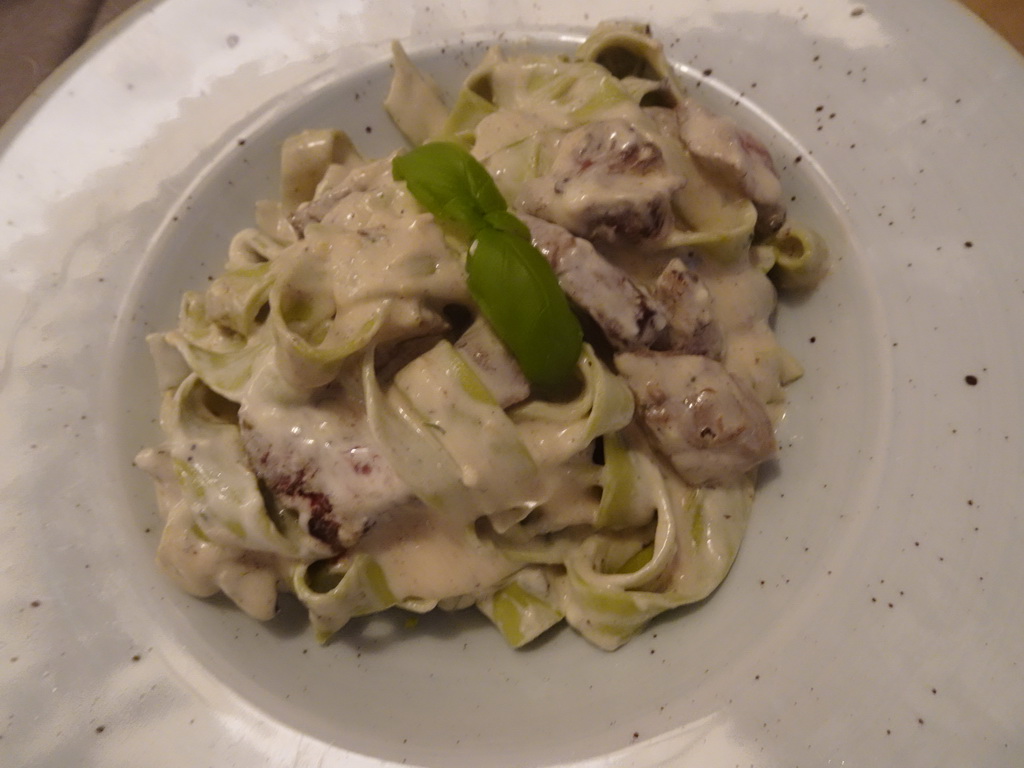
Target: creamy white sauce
431 555
744 301
326 439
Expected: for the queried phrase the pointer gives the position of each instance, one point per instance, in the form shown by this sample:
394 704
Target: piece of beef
606 183
702 418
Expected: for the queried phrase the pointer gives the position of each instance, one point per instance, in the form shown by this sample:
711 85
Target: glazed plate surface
872 617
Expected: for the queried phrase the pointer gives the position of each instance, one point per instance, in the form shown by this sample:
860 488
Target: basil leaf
512 283
507 222
451 184
519 295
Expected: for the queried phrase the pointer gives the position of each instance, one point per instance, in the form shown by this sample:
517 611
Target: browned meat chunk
704 420
606 183
691 326
628 315
739 156
324 466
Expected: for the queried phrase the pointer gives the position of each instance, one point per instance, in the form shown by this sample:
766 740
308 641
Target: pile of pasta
387 401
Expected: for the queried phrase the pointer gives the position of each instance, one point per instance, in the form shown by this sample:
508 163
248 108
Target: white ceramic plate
873 616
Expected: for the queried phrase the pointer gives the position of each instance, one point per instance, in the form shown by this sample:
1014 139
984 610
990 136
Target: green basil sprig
512 283
451 184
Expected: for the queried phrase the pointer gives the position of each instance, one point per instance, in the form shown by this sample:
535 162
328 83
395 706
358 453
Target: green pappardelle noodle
525 366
